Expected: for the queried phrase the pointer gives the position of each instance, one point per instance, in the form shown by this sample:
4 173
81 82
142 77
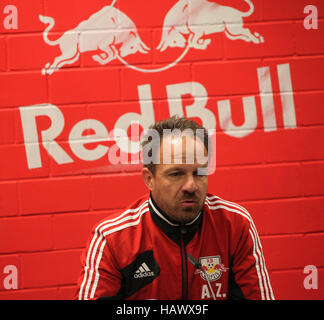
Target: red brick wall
274 167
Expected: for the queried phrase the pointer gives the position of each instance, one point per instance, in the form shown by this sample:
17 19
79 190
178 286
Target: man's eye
175 174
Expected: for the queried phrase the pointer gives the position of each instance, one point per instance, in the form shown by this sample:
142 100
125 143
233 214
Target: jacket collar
173 229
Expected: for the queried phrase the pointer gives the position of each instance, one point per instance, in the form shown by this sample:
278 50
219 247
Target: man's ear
148 178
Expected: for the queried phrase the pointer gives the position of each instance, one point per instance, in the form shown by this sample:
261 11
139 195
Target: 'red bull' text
48 138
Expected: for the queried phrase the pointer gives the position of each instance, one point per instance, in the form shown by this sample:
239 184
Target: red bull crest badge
213 268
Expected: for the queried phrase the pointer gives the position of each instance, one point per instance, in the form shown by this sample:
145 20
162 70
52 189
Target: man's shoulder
123 219
226 209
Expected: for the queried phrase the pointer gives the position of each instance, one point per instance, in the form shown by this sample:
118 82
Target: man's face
177 188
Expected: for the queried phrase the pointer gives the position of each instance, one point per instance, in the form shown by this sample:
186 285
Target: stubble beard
188 214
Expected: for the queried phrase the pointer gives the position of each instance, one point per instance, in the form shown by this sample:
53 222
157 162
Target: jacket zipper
184 265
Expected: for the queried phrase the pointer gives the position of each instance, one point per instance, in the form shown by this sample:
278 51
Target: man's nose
190 185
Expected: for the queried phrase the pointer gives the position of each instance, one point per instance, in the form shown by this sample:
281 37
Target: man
178 242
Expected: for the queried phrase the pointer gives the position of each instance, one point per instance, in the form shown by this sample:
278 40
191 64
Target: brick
104 196
109 113
257 14
17 89
3 54
228 74
218 183
309 41
36 57
309 110
9 239
130 80
287 10
309 138
257 182
59 10
50 268
14 164
79 225
24 234
279 33
8 126
307 73
233 151
293 251
84 85
289 285
312 177
140 17
9 260
284 145
8 199
284 250
287 216
294 144
314 249
30 294
27 15
54 195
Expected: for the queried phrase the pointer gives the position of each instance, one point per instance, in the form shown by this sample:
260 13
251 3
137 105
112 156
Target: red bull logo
187 25
213 268
109 34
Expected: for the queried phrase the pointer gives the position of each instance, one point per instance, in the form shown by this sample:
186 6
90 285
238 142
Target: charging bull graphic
104 30
115 35
200 18
213 268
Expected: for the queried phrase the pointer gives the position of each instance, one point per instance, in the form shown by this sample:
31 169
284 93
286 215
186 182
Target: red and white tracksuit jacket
142 254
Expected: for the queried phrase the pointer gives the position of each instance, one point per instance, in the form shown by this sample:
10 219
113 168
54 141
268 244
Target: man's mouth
188 202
